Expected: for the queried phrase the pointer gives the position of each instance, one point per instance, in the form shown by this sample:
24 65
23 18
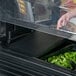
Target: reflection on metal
73 37
70 28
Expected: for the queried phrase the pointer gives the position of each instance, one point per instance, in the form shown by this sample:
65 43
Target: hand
63 20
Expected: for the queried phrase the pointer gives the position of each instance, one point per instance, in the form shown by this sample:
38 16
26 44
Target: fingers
62 21
59 25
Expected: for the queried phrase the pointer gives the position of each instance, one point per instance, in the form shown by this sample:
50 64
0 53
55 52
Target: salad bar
30 44
65 57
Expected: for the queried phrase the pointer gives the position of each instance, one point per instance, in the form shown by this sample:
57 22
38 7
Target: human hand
63 20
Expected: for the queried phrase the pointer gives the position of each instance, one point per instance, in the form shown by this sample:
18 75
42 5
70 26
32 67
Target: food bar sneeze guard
40 15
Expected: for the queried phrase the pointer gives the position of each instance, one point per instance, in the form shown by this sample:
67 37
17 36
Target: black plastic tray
68 48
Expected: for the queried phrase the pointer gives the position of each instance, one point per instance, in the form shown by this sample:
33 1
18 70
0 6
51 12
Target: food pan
65 57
